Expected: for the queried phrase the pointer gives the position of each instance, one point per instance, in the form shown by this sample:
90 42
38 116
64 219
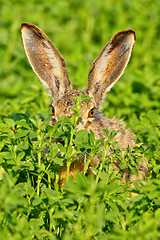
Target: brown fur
107 68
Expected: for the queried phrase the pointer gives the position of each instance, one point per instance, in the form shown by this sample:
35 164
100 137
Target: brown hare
105 71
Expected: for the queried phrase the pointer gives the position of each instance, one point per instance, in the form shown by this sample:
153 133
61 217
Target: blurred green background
80 29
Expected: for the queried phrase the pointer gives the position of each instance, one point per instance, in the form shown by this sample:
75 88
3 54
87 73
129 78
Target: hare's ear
110 64
45 60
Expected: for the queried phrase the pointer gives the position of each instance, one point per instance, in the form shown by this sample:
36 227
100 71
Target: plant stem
39 178
68 168
102 163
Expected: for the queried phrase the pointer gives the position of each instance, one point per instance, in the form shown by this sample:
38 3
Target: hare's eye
53 110
91 112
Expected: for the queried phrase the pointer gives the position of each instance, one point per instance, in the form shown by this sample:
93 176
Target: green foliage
96 207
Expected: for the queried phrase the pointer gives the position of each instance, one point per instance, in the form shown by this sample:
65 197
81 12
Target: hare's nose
80 121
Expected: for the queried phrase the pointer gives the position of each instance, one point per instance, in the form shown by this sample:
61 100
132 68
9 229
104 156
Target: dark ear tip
24 27
126 36
25 24
29 26
128 32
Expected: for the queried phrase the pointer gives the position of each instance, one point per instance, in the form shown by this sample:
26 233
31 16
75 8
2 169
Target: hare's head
50 67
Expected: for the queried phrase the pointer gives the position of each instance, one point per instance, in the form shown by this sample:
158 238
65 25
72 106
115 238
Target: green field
97 207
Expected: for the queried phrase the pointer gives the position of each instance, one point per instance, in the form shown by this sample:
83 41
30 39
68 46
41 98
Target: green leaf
82 139
21 133
23 124
20 156
2 143
36 201
133 169
23 145
91 137
32 135
53 150
7 155
10 123
36 222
